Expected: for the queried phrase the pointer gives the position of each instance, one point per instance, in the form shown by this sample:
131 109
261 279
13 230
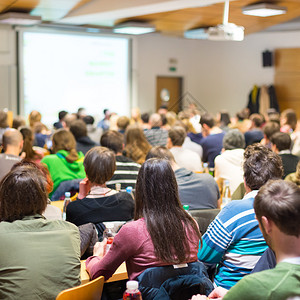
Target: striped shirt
126 173
156 136
233 241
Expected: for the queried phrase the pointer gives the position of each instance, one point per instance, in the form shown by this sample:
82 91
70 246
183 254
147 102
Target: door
168 92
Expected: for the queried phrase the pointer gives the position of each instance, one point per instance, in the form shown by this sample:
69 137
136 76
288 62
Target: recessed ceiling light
14 18
134 28
264 10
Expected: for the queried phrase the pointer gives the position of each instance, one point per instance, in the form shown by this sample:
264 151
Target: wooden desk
120 274
59 204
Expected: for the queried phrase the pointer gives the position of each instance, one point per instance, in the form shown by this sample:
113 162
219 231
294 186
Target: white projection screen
63 71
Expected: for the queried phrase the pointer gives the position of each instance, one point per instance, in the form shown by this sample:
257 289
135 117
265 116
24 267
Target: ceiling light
197 33
135 28
14 18
264 10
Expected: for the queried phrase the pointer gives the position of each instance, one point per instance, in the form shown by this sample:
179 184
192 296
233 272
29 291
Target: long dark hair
28 144
158 202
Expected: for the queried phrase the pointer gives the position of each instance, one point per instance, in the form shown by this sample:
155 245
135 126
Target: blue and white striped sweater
233 241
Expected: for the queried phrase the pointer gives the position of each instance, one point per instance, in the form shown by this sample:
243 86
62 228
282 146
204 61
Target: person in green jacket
38 258
277 209
66 163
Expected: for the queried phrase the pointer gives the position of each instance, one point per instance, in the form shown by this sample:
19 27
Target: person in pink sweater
162 233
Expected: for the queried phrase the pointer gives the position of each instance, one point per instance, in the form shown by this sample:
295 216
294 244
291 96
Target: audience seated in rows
282 233
233 240
126 169
185 158
199 191
12 145
39 258
83 141
162 233
212 142
156 136
281 144
96 202
136 144
254 134
66 163
229 164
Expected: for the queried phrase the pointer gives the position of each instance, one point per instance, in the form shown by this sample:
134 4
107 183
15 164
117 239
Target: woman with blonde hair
66 163
137 145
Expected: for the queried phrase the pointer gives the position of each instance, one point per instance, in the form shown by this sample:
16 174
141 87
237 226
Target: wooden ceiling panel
174 22
213 15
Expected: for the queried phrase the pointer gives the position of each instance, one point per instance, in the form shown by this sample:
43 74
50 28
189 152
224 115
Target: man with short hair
12 145
255 134
126 169
83 141
156 136
61 123
229 164
199 191
281 144
185 158
233 240
280 227
269 129
212 142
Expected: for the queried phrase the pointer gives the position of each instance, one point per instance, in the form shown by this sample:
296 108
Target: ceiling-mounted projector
226 32
223 32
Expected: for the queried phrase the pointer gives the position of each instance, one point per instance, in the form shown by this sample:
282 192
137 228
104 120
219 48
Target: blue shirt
212 146
233 241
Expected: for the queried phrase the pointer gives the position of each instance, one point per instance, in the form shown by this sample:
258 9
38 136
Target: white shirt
229 165
189 144
186 158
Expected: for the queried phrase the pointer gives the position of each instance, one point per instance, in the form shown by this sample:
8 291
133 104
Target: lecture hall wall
218 74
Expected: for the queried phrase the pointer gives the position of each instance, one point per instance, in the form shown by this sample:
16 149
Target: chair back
162 282
204 217
65 186
89 291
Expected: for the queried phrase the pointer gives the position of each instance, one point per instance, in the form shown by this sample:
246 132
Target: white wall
218 74
8 91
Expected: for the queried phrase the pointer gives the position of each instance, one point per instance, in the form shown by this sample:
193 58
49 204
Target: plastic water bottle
187 208
226 196
66 202
205 168
129 191
132 291
118 187
109 235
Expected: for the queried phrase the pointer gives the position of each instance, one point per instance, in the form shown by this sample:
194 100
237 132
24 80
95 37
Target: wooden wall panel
287 78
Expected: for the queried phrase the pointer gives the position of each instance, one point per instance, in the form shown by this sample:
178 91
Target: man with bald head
12 145
156 136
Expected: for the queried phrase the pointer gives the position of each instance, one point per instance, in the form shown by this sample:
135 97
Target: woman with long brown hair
136 144
162 233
